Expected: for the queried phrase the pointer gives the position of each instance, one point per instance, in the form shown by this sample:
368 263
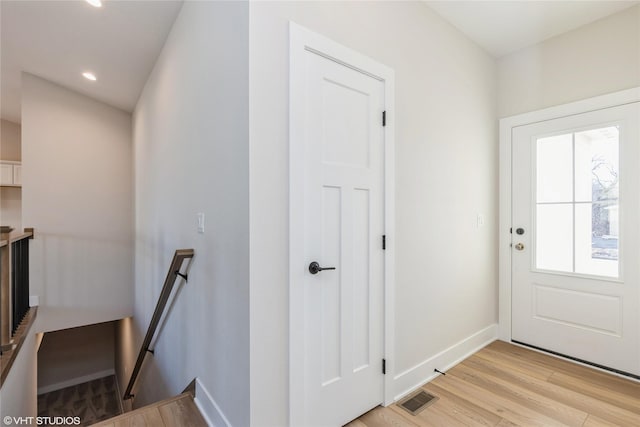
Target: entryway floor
92 401
505 385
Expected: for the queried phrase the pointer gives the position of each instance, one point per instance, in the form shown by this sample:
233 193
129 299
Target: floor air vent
417 402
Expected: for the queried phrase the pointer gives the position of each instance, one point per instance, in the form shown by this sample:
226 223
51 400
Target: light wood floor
179 411
505 385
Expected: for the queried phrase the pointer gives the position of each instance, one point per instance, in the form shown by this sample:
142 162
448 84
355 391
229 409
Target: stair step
177 411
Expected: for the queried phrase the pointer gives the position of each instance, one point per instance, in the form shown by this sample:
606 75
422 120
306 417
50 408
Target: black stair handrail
174 272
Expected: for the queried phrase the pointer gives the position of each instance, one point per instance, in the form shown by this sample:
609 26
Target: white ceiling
119 42
58 40
503 27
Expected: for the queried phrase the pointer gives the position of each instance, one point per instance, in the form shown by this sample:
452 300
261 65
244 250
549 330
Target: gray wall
77 355
191 155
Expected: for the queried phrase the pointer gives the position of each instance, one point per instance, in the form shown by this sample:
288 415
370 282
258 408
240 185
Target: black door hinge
384 118
384 242
384 366
511 230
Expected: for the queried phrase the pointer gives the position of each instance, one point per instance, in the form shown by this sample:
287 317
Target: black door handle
314 268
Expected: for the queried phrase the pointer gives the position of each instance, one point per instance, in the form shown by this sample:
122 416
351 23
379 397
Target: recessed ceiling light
89 76
95 3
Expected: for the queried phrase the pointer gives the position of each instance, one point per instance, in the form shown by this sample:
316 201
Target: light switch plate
200 216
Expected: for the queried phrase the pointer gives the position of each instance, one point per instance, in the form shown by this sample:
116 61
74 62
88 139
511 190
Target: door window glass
577 208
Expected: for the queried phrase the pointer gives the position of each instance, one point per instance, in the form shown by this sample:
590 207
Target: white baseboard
75 381
422 373
210 410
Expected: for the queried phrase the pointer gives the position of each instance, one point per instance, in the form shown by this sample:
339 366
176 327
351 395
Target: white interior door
341 146
575 236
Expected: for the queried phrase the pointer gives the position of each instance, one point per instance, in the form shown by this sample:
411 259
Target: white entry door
337 272
575 237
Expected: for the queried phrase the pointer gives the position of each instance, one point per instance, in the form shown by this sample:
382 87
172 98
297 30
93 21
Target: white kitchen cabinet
6 174
17 174
10 174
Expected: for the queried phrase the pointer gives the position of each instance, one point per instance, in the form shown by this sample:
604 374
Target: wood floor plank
515 363
557 364
177 411
181 413
385 417
465 410
495 403
507 423
356 423
538 403
561 394
150 417
593 421
431 416
629 402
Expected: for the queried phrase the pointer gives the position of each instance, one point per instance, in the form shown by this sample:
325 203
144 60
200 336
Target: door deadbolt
520 231
519 246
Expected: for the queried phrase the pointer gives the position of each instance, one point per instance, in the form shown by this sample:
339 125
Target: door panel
595 312
575 267
346 125
329 322
343 223
361 280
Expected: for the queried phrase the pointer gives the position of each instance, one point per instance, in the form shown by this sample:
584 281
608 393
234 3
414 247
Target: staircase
176 411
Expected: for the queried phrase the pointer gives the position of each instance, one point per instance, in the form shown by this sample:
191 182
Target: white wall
18 396
191 155
446 173
77 194
10 197
76 355
595 59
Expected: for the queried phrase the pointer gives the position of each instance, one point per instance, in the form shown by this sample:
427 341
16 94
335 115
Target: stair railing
174 272
14 283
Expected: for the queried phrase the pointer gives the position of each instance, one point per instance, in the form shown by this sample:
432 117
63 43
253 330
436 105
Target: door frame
506 133
302 40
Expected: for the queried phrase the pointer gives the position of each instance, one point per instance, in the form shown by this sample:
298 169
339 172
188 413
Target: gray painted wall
76 355
191 151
